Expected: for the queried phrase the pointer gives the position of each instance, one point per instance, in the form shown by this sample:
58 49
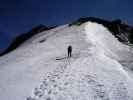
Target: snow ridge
93 73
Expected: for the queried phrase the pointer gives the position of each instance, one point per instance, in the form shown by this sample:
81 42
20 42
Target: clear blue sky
18 16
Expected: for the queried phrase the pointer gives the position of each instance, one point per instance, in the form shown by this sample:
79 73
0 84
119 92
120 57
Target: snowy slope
94 72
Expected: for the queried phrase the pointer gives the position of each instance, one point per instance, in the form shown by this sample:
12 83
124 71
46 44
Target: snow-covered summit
97 69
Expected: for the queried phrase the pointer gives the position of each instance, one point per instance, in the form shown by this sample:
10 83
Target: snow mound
93 72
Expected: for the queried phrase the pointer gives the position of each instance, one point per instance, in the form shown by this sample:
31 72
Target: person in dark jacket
69 49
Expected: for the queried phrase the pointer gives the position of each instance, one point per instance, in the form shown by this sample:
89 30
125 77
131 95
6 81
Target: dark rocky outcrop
122 31
22 38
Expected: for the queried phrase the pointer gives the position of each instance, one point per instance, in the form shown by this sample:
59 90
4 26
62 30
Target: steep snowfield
94 72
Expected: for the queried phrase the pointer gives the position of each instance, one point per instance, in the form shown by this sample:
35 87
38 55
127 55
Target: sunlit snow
94 72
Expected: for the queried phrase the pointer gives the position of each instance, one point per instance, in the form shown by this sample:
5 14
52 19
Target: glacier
97 70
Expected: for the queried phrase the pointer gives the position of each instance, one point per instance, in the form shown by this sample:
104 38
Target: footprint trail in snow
65 84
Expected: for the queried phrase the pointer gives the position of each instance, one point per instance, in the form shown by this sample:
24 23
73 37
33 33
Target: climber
69 51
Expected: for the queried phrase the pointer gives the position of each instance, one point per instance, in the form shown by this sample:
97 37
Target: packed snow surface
41 70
